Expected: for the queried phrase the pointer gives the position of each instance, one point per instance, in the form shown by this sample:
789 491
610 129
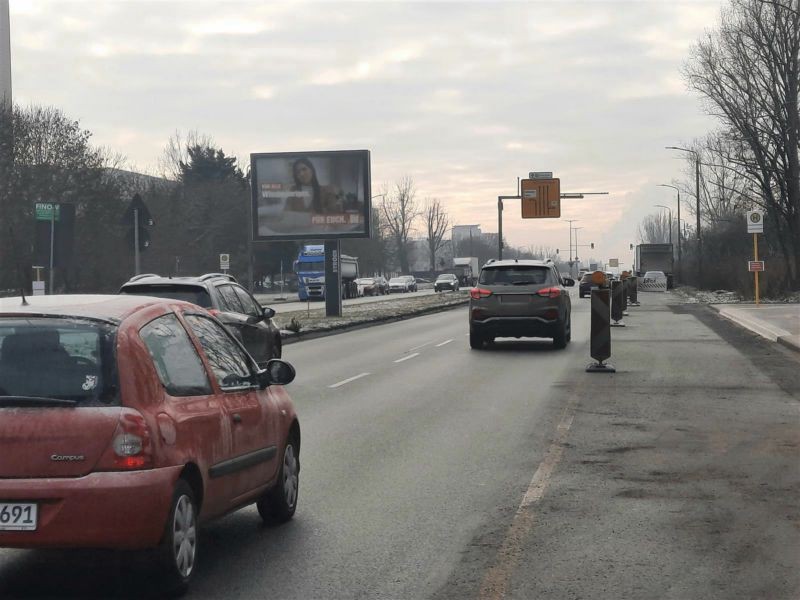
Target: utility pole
5 55
570 221
677 189
697 199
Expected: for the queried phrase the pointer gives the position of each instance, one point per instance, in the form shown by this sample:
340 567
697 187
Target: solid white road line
443 343
399 360
348 380
495 585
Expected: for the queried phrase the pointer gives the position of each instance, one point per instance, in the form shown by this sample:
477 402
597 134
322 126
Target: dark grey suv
520 298
231 303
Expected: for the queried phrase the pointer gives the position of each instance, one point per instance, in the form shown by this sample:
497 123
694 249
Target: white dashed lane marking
420 346
443 343
348 380
399 360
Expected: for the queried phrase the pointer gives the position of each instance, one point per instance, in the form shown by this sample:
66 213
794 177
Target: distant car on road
399 284
403 283
520 298
382 283
446 281
585 285
129 421
412 283
368 286
227 300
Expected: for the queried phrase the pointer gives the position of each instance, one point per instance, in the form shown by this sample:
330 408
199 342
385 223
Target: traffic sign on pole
224 262
541 198
755 221
755 265
44 211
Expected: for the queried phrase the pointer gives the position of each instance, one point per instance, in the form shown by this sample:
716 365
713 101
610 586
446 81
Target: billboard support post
52 245
333 279
136 260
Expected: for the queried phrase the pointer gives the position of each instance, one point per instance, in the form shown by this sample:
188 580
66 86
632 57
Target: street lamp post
697 199
677 189
575 229
570 221
670 220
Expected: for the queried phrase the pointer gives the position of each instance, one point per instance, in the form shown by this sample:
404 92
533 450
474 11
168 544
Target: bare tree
436 223
654 229
748 70
176 152
400 211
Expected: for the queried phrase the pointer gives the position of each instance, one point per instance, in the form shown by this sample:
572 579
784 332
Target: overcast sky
464 97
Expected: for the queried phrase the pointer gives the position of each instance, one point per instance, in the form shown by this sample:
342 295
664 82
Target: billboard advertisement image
310 195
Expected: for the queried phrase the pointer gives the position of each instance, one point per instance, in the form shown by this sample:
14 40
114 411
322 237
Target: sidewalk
778 323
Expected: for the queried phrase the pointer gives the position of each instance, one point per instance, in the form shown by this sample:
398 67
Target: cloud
228 26
263 92
370 66
463 96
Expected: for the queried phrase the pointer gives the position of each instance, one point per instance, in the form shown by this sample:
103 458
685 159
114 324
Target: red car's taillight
551 292
478 293
131 446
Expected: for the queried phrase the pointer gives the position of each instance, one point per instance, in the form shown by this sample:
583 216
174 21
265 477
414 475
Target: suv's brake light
478 293
551 292
131 447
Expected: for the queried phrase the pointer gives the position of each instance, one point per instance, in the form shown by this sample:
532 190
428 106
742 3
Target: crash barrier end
617 303
652 284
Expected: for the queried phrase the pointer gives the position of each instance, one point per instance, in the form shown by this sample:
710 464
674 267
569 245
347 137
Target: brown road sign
541 198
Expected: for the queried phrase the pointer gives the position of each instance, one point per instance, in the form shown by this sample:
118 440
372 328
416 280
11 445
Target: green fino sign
44 211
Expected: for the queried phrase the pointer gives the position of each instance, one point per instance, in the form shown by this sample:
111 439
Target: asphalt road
433 471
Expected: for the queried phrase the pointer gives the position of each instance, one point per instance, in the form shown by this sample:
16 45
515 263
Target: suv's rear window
515 275
194 294
62 358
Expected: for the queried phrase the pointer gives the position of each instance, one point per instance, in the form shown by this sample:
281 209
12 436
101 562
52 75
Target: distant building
465 233
464 238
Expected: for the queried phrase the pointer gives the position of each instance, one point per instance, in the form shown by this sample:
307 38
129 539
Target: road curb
310 335
790 341
758 326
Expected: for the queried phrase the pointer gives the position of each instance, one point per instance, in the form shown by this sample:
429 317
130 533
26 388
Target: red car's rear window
58 358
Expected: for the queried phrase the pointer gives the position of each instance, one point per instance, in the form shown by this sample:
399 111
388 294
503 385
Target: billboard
310 195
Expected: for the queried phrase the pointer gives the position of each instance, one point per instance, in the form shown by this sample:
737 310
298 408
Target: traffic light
137 213
592 245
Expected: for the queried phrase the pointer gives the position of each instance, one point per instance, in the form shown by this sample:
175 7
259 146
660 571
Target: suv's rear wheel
476 340
562 335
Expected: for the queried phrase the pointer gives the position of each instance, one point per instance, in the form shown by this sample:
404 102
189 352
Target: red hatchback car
125 421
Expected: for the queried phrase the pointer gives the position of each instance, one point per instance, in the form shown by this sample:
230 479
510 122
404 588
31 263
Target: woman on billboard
324 199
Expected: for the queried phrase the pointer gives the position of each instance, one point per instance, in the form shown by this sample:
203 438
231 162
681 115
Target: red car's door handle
237 418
